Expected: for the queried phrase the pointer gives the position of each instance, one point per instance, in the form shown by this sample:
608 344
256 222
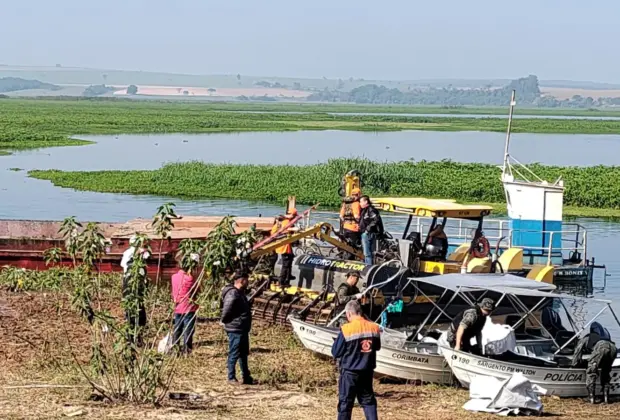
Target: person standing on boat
469 324
237 320
356 350
371 226
350 214
603 353
286 251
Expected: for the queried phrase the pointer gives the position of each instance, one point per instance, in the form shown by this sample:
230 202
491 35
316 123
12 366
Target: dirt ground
293 383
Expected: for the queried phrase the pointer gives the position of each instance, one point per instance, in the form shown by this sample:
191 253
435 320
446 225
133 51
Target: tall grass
586 187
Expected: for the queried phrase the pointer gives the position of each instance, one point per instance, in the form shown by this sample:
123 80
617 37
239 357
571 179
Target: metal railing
460 231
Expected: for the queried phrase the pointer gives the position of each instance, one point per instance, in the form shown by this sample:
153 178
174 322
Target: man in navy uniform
356 348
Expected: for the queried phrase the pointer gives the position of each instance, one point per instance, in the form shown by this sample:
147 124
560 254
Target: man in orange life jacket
350 214
286 251
356 348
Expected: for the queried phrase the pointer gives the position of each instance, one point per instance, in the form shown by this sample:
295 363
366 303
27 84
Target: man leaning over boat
469 324
603 353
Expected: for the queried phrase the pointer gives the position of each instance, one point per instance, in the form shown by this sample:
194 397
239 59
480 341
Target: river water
395 114
26 198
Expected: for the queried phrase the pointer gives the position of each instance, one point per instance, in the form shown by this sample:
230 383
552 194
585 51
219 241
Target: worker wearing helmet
286 251
350 214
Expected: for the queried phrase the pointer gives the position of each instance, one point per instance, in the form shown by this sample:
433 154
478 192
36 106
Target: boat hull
413 363
561 382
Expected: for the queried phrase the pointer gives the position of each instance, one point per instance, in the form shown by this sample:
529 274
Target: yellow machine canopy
425 207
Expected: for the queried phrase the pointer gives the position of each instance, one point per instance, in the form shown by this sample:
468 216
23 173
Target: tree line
527 89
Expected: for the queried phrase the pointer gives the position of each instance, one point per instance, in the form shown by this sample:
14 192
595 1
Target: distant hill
86 77
13 84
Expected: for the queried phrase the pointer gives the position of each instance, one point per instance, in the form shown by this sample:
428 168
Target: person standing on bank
469 324
603 353
237 320
184 289
371 227
356 349
134 288
350 214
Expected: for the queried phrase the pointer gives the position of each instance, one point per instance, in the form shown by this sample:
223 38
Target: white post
550 247
506 146
585 248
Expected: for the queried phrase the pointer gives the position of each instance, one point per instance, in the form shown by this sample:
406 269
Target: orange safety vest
350 214
284 249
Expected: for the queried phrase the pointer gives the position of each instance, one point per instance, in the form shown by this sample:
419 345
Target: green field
588 191
42 123
410 109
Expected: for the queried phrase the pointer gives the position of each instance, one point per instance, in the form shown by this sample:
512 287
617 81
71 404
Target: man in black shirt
237 320
371 226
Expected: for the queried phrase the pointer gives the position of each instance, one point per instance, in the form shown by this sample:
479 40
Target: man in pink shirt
184 290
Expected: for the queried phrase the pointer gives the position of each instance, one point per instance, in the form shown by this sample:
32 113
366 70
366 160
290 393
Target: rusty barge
23 242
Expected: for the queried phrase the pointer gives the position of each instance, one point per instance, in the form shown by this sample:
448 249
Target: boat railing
574 237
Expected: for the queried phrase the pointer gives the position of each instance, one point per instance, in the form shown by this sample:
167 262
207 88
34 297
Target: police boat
550 368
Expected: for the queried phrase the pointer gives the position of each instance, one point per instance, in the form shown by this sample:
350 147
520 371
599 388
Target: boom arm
321 231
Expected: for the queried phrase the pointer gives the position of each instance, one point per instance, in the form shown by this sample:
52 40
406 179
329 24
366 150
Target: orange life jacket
350 213
284 249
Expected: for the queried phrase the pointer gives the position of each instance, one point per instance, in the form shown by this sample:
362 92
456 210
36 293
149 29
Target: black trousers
136 323
352 385
287 268
354 239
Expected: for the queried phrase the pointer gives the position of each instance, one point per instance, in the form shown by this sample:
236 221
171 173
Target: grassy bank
314 107
589 191
41 123
410 109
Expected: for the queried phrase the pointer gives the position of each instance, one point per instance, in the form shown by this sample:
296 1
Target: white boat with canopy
416 356
550 369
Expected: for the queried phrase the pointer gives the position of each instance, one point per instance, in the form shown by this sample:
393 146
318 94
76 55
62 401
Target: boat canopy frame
435 208
463 285
513 293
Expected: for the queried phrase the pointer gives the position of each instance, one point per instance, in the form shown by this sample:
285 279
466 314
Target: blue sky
391 39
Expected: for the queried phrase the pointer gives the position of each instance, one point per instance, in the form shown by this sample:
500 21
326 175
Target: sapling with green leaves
70 231
162 224
124 365
92 244
52 256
